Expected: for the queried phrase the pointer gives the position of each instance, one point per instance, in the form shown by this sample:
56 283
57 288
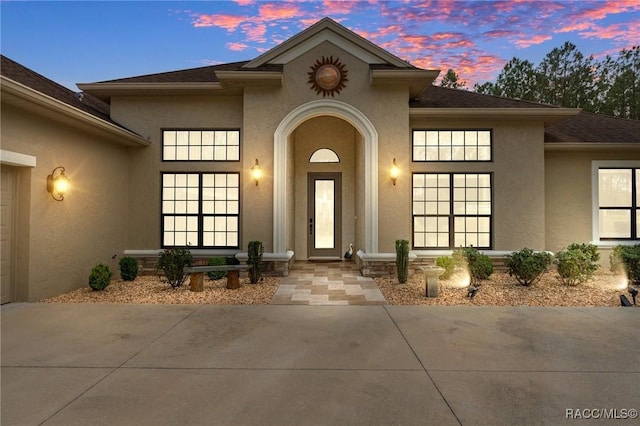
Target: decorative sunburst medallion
328 76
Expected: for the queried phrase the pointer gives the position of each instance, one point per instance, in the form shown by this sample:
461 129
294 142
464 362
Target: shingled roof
587 127
444 97
584 127
193 75
85 102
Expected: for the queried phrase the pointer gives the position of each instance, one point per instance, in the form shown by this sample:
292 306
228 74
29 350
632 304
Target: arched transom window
324 155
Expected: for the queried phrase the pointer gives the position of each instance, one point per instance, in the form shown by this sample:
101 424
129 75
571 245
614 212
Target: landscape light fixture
256 172
633 292
472 292
395 171
57 185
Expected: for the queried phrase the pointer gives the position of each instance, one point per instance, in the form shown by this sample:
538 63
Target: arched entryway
282 195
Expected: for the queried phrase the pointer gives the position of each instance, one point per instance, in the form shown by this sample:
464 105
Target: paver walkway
327 283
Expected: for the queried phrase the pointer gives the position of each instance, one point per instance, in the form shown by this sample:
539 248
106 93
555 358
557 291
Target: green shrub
173 261
216 261
128 268
459 257
480 269
448 264
479 265
100 277
255 261
615 260
402 260
630 259
528 266
577 263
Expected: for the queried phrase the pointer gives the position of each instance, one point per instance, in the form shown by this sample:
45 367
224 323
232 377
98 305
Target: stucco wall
64 240
147 116
386 108
518 178
340 136
569 195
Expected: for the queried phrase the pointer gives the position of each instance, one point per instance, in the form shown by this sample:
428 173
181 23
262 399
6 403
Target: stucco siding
568 176
518 178
65 239
148 116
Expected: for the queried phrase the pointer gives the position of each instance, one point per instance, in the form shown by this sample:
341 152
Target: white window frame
595 199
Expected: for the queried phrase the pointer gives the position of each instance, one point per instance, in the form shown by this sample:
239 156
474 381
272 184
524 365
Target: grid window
201 145
618 196
452 145
452 210
201 209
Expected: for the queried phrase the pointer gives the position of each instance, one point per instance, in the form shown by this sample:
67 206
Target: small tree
402 260
173 261
255 261
528 266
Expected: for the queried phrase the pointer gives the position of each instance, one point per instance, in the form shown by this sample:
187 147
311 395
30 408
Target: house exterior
352 144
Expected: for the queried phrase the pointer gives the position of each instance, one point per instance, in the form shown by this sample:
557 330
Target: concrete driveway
74 364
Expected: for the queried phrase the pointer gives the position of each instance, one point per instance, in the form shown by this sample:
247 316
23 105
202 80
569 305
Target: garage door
7 237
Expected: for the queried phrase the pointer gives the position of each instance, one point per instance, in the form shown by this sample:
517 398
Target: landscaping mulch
154 290
503 290
499 290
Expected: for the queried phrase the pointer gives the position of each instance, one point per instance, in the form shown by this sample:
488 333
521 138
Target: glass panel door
324 210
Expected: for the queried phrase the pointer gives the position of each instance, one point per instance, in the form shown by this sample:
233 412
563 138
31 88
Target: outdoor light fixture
395 171
256 172
57 185
634 293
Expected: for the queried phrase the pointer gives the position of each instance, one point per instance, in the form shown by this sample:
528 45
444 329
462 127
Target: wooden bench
196 279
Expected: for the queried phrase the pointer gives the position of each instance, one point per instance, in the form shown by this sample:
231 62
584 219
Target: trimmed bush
100 277
528 266
128 268
577 263
615 260
255 252
173 261
479 265
448 264
480 269
216 261
402 260
630 260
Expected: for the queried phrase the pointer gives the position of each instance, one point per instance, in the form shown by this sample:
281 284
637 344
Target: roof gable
327 30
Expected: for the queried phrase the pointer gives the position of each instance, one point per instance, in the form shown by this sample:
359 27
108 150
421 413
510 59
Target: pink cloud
272 11
245 2
255 31
236 46
335 7
532 40
228 22
627 31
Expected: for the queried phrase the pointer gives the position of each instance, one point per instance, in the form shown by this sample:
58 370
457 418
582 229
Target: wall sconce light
57 185
256 172
395 171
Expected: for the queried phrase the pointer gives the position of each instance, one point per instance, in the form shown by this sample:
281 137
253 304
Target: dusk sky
86 41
